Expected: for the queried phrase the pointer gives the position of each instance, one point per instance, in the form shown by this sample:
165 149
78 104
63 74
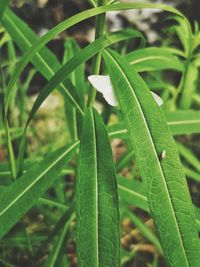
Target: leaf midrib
157 159
132 62
183 122
96 189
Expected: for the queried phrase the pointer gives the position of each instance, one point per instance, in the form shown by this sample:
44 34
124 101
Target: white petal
103 85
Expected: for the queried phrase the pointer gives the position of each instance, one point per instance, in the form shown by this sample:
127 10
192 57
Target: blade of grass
96 61
77 79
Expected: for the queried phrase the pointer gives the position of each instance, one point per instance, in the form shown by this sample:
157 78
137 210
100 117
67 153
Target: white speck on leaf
163 154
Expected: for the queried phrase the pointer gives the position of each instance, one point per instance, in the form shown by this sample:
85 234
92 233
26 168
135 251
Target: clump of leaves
94 195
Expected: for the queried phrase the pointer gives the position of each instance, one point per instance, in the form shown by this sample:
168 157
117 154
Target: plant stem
10 151
96 62
7 131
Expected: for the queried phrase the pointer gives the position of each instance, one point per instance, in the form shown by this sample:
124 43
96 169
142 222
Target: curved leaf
183 122
96 198
167 192
154 58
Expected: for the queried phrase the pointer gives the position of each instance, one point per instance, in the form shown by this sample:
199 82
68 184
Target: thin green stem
7 131
96 63
10 151
182 81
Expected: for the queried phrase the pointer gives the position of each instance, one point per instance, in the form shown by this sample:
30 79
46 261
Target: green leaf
189 86
154 58
93 3
183 122
167 192
180 122
131 191
69 23
96 197
3 5
124 160
189 156
191 174
20 196
184 32
77 78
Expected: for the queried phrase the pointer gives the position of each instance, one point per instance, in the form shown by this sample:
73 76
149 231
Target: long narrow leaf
183 122
3 5
154 58
96 198
159 163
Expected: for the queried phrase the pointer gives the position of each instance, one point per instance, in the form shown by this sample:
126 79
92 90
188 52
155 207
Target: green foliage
21 195
86 189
